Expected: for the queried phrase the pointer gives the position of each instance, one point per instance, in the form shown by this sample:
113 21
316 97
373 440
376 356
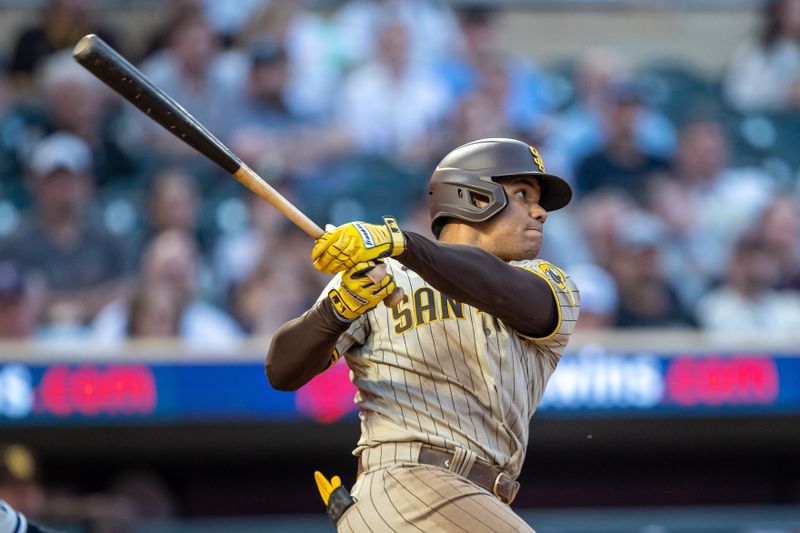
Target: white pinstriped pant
397 494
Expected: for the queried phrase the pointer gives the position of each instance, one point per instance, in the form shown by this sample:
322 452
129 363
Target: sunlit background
140 284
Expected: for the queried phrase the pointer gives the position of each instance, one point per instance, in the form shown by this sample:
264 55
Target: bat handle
376 275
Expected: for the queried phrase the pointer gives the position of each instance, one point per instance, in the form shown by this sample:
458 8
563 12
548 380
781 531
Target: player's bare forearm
478 278
303 347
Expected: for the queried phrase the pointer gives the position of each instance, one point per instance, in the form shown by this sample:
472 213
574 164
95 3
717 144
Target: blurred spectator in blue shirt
583 128
83 266
620 162
391 106
481 67
172 259
764 73
747 302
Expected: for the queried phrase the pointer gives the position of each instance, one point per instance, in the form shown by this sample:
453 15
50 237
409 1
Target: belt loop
462 461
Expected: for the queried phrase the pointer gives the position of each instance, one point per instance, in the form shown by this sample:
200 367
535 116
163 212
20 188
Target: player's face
516 233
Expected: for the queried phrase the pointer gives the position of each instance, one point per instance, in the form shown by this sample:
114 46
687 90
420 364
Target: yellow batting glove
356 242
325 487
356 294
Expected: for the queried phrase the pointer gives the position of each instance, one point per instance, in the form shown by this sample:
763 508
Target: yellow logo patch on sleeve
557 278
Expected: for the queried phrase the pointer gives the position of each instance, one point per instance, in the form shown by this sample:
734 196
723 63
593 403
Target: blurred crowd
686 209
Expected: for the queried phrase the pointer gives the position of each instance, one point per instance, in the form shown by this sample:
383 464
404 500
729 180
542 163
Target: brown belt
482 474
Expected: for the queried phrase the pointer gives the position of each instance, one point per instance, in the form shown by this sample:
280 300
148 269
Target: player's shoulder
558 280
542 268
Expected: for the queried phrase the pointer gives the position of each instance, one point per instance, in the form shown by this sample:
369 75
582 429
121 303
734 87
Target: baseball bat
95 55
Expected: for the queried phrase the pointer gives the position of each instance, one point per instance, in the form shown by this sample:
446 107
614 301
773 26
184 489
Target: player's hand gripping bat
120 75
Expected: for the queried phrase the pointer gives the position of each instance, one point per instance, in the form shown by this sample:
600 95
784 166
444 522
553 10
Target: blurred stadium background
139 286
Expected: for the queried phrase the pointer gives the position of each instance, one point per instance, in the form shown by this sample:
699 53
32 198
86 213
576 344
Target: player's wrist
397 240
332 318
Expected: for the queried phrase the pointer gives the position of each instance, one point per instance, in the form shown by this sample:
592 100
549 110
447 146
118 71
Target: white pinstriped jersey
444 373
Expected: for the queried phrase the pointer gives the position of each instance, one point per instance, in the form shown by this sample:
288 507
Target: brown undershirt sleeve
476 277
303 347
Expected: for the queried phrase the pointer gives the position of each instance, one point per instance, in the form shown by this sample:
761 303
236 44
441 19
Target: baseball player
449 379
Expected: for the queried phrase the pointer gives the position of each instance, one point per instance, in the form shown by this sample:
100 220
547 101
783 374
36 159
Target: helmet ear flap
462 195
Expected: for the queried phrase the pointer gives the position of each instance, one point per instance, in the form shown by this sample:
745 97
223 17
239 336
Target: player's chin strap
335 497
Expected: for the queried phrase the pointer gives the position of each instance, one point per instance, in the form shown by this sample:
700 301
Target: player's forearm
303 347
478 278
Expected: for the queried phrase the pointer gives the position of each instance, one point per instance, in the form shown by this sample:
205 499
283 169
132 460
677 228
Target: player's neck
457 232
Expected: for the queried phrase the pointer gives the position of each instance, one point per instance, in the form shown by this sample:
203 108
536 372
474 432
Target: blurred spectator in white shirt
433 29
747 302
726 199
172 258
598 294
764 73
391 106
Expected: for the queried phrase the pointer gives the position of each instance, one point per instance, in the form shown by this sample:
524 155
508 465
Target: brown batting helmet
467 174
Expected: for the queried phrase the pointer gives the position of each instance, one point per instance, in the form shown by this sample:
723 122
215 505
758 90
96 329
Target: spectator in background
278 288
263 287
599 299
171 259
764 73
433 29
237 254
726 200
62 24
779 230
155 311
83 266
646 300
20 303
390 106
173 203
747 302
270 134
512 83
584 127
600 215
693 257
73 100
192 71
314 53
620 162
